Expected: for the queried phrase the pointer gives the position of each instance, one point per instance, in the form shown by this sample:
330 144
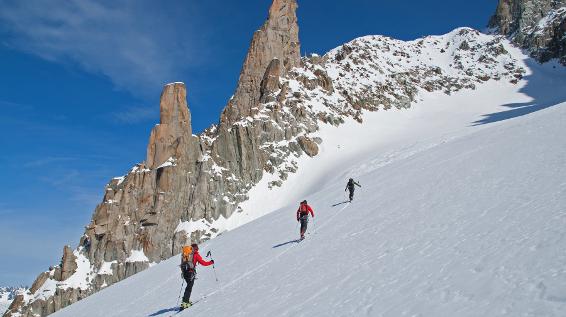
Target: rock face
536 25
171 137
278 39
309 146
7 296
188 184
68 264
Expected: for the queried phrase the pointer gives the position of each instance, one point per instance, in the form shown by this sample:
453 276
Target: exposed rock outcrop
68 263
171 137
536 25
309 146
278 39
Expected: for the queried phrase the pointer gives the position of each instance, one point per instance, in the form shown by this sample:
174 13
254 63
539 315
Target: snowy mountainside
7 295
454 218
371 74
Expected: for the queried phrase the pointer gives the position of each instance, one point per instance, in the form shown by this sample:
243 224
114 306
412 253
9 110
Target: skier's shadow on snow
163 311
340 203
284 243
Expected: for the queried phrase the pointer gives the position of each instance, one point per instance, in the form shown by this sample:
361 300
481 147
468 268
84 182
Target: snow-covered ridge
377 72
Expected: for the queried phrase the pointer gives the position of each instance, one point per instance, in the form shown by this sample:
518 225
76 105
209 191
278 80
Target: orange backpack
187 258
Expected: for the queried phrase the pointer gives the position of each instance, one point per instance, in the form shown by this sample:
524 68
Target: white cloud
136 114
138 45
47 161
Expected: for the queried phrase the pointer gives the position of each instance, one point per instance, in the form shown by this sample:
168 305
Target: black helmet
304 201
351 179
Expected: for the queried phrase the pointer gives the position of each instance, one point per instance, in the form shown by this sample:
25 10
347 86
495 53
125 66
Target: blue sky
80 84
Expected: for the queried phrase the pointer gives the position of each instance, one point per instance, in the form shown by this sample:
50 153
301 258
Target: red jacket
198 259
304 209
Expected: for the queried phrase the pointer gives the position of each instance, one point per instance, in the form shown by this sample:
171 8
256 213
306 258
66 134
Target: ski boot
185 305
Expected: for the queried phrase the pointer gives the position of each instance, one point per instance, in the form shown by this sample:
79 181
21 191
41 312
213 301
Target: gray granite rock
538 26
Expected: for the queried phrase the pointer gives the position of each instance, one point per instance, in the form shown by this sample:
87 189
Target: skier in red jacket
189 260
303 216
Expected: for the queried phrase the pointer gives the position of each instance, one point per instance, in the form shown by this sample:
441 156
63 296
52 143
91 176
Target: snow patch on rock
137 256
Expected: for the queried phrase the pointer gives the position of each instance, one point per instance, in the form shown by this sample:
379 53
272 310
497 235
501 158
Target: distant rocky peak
278 38
538 26
168 138
173 104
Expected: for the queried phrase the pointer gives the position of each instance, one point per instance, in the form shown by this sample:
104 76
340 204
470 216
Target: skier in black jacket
350 186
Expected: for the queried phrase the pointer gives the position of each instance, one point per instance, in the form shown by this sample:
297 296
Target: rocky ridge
8 294
538 26
190 186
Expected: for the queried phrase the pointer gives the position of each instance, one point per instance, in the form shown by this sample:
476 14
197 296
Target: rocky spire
168 139
278 38
536 25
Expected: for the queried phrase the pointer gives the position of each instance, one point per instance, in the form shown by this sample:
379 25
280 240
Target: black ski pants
304 223
189 277
351 189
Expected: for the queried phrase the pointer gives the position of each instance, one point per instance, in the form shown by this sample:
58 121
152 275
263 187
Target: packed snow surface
461 212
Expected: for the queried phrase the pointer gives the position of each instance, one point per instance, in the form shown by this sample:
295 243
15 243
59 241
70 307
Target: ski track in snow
453 219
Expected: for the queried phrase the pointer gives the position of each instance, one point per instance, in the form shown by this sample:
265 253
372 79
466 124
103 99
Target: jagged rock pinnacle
277 38
175 124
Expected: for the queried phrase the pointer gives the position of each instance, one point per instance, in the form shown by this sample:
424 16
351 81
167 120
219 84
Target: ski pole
180 291
209 255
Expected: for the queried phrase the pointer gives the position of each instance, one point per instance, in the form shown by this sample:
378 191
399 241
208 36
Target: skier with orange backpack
303 216
189 260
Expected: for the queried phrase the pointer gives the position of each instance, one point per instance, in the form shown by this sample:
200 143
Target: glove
212 261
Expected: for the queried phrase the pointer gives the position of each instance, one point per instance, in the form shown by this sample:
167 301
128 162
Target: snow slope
7 295
462 213
5 300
